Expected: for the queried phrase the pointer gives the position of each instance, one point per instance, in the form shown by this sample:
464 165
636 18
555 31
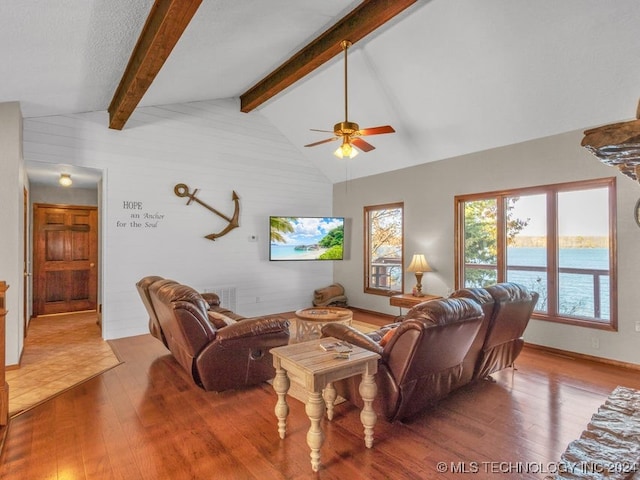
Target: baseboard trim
582 356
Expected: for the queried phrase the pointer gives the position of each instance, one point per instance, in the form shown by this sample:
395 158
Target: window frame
367 254
551 191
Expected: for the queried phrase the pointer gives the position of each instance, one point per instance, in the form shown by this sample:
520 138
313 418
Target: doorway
65 255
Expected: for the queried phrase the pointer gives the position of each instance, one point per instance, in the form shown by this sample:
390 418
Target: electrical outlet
595 342
637 325
257 299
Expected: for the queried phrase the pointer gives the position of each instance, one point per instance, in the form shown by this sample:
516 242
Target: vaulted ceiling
452 76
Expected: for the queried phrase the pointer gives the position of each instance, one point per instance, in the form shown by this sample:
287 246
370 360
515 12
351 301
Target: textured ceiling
452 76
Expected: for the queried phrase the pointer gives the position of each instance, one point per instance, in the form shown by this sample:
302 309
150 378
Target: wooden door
65 258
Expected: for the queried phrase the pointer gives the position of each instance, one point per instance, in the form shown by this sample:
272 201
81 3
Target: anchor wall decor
182 190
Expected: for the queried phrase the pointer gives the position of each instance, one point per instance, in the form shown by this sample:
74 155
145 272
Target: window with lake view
556 239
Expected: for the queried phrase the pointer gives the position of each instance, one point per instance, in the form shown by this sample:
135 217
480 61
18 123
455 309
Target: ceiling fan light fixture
345 150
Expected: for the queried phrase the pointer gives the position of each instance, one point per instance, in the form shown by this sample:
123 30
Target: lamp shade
418 264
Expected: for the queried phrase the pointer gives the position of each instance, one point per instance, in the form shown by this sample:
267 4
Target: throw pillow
387 337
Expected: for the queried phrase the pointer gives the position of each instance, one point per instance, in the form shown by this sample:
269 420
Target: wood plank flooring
145 419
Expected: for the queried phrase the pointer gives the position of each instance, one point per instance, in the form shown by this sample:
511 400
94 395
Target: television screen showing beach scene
306 238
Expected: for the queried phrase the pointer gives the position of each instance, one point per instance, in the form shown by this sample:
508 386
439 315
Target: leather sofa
440 346
507 308
421 362
218 348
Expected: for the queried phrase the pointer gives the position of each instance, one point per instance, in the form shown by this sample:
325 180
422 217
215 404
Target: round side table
309 321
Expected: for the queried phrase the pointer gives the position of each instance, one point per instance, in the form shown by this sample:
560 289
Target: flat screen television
306 238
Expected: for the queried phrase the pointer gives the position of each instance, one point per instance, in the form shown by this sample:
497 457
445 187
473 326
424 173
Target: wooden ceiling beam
361 21
165 24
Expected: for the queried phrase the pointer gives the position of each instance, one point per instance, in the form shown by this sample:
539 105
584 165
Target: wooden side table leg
315 436
329 394
368 417
281 386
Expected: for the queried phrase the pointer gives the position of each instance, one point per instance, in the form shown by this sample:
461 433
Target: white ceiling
452 76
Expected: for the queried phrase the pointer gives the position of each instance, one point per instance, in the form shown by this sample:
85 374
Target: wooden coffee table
309 321
317 369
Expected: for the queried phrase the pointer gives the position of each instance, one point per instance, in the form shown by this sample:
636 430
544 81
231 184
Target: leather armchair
143 290
154 325
233 355
421 362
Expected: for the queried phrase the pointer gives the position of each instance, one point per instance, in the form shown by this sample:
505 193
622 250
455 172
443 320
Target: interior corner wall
148 230
428 192
12 182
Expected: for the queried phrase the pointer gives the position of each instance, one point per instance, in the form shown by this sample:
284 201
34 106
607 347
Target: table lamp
418 265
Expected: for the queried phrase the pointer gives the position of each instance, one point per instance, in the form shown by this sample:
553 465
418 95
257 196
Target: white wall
63 195
12 182
428 192
206 145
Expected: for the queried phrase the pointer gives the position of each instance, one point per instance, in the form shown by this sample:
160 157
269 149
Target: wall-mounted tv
306 238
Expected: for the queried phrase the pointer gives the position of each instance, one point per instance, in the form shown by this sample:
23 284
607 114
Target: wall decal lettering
138 218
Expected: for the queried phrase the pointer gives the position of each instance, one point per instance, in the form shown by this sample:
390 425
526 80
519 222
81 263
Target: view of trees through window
383 249
553 239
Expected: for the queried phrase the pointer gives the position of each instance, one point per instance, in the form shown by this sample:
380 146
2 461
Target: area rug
610 446
60 352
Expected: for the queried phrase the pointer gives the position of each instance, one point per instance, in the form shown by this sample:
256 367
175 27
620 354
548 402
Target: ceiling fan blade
316 130
376 130
362 145
322 141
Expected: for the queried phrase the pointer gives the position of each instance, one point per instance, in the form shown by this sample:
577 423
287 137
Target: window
557 240
383 249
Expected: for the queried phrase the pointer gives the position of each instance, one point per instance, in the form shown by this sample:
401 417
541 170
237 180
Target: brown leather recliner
508 307
154 325
143 290
233 355
422 361
471 360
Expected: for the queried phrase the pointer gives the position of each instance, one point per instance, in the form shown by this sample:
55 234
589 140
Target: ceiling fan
350 132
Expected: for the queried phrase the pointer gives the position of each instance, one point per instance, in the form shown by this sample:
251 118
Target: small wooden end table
317 369
407 300
309 321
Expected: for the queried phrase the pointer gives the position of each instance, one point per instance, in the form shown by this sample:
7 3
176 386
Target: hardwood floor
145 419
